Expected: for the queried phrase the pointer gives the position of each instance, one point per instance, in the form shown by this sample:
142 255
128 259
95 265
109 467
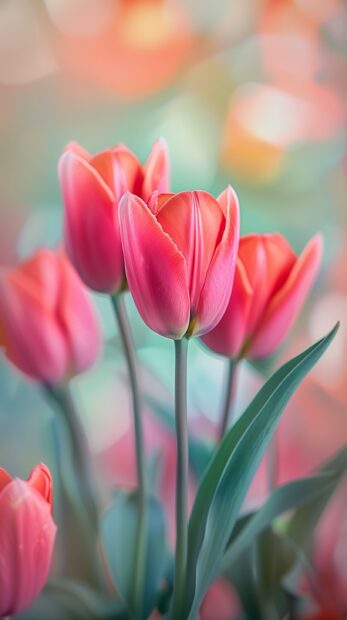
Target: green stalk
181 350
81 456
230 387
80 499
129 352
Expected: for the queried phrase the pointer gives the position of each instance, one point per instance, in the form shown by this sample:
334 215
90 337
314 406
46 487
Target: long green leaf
283 499
304 495
225 483
303 522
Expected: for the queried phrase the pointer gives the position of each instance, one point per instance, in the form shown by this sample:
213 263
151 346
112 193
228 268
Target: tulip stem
181 350
81 456
230 388
129 352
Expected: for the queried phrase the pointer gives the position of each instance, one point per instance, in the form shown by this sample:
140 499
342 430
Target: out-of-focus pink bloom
328 584
48 327
27 534
270 286
138 50
179 253
323 614
221 602
92 187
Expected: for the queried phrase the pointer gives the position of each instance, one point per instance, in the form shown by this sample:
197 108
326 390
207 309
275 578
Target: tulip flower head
27 534
179 252
48 326
270 287
92 187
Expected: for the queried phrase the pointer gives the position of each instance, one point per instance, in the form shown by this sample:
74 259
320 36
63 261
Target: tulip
179 252
270 287
92 187
47 323
27 534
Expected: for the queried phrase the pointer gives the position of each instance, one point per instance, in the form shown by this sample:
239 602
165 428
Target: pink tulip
221 602
270 287
47 323
92 187
27 534
179 253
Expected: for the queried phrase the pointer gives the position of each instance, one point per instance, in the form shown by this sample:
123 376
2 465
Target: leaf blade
241 450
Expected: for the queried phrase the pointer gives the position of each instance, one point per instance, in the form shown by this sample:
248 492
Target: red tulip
221 602
27 534
47 323
270 286
92 187
179 253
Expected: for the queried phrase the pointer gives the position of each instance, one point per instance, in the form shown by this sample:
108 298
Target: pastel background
250 92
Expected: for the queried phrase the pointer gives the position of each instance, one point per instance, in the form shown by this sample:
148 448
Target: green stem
181 350
129 352
81 457
230 387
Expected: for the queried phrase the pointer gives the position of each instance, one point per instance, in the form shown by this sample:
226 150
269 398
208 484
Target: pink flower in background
179 253
92 187
27 534
48 327
221 602
270 287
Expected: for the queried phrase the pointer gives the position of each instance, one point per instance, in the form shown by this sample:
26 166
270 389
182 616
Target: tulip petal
268 260
34 340
286 304
91 224
155 269
220 275
194 221
156 170
41 480
5 478
120 170
156 201
27 533
227 338
76 148
78 320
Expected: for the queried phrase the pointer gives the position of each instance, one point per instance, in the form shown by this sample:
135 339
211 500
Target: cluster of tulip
189 275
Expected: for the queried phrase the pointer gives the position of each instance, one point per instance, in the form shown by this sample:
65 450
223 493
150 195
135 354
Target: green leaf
226 481
285 498
119 535
72 600
303 523
280 566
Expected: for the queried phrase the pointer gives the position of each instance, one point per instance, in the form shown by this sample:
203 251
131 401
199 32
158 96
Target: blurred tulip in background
48 326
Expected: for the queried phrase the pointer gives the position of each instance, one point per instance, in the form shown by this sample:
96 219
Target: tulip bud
179 252
27 534
270 287
48 326
92 187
